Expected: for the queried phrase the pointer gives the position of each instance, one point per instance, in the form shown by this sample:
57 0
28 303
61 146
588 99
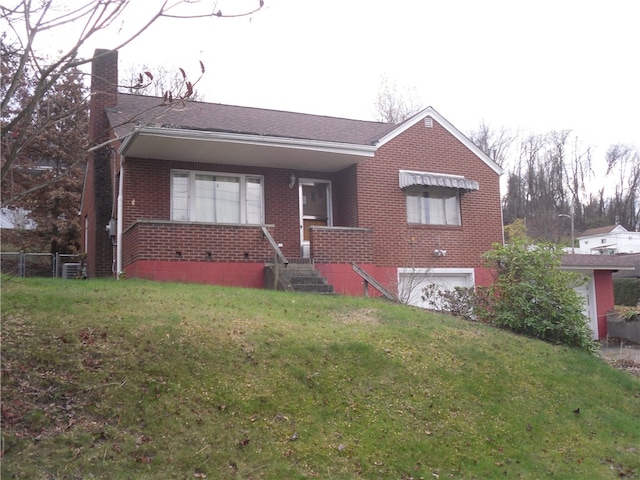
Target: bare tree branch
394 106
43 141
495 143
28 20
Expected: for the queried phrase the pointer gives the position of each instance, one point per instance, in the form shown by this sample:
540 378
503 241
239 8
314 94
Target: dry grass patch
359 316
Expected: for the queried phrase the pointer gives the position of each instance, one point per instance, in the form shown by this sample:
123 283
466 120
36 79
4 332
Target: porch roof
596 262
237 149
207 132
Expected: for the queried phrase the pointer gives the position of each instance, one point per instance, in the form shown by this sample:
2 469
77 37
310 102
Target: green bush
626 291
534 297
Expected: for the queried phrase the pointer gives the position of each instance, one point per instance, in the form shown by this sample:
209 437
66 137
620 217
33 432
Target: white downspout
119 220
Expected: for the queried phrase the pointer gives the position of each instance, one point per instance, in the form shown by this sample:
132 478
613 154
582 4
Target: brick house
209 193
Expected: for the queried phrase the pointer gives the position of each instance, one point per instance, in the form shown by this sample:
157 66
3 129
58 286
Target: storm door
315 209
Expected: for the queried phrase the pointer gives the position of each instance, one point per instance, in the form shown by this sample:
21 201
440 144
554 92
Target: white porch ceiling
237 149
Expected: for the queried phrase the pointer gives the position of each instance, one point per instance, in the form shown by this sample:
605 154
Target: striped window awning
409 178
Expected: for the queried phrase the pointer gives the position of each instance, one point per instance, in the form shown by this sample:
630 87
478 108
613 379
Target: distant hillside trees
554 173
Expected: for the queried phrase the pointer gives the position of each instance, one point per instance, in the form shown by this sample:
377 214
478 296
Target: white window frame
423 216
243 178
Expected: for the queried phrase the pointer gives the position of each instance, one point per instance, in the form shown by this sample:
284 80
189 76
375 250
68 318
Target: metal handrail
274 246
280 258
368 279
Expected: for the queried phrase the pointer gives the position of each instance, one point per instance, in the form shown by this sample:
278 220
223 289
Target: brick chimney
97 201
104 91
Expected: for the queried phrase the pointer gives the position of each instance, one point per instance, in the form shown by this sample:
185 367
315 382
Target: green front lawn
142 380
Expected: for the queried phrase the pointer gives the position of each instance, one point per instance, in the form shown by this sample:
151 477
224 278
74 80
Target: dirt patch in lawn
361 316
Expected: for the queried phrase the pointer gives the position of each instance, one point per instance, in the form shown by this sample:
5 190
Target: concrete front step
299 278
306 279
312 288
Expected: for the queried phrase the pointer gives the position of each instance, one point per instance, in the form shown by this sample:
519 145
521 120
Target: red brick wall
231 255
147 189
345 192
382 204
180 242
282 209
341 245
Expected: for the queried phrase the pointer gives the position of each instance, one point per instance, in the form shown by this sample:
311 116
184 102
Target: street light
573 248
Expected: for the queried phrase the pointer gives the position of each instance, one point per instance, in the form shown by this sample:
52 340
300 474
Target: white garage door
412 282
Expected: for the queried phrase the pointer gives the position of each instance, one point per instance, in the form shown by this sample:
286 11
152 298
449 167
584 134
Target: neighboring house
598 290
17 230
16 218
609 240
193 191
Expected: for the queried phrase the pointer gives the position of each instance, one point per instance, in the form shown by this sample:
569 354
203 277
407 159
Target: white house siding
617 241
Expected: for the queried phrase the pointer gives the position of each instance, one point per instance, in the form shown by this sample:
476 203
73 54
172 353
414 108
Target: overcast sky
531 66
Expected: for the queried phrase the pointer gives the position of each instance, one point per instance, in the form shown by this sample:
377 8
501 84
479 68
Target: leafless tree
393 105
549 177
495 143
623 162
28 22
578 171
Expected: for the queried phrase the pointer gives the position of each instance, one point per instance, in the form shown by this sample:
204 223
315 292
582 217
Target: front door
315 209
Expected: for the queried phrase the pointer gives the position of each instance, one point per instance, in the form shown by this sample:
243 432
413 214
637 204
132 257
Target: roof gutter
247 139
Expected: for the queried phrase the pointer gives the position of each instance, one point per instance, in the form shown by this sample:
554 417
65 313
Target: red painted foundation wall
347 282
247 275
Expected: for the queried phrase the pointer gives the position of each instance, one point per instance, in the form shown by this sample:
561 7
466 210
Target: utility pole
573 244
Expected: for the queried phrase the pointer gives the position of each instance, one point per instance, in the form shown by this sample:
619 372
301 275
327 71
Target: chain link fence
21 264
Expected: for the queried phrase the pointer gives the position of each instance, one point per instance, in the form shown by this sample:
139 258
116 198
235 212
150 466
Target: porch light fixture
292 181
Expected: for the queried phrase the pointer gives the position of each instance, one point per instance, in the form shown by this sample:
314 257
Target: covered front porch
217 180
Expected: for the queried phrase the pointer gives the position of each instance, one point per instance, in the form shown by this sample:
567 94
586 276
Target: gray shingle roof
145 110
598 231
598 262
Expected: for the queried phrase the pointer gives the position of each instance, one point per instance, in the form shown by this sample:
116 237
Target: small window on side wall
429 205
